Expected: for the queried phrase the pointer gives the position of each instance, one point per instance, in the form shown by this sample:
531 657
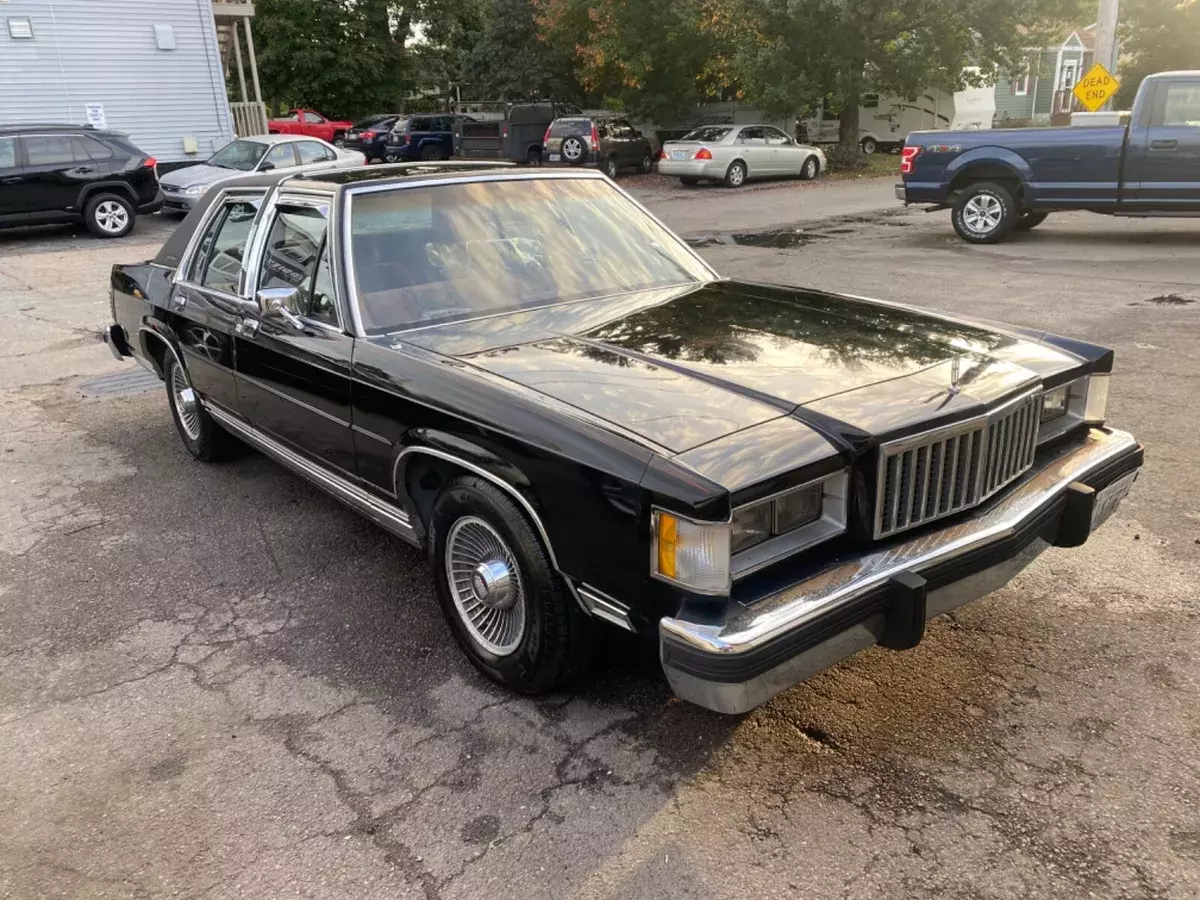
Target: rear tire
735 175
646 164
869 146
1031 220
984 213
531 637
391 156
109 215
611 168
201 435
534 156
432 153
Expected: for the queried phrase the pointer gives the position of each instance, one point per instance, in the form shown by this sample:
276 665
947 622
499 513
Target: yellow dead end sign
1096 87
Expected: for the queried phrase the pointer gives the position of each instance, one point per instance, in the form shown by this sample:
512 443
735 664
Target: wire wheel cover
185 401
485 583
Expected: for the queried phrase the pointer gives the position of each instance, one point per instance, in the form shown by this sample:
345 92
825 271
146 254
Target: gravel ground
217 683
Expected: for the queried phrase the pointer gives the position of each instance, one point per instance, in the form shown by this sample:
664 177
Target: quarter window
297 256
222 254
8 153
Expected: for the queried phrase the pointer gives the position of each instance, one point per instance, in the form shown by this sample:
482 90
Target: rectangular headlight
786 523
798 508
1054 403
751 526
1079 402
694 555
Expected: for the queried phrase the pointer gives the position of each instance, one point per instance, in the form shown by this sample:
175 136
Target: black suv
610 144
75 173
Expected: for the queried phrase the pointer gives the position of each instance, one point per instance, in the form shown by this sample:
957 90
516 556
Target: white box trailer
884 122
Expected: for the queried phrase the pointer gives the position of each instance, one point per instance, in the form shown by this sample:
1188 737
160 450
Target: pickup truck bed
999 180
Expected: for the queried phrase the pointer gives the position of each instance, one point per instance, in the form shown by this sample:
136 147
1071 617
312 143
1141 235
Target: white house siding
104 51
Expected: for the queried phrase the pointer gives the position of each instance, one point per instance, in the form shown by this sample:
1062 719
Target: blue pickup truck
998 181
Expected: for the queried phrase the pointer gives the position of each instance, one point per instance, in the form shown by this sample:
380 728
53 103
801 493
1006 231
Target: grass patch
873 166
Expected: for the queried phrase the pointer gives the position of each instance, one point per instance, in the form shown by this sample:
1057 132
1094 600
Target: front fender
989 156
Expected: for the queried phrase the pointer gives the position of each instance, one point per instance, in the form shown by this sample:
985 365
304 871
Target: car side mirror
281 303
266 167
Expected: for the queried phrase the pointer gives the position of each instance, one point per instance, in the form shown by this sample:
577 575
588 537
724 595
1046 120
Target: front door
294 374
1167 161
12 211
786 158
208 297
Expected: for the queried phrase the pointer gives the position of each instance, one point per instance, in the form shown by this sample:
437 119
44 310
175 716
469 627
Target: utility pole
1106 34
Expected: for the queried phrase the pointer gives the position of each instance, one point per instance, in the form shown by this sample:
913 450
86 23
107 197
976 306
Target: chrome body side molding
381 513
602 606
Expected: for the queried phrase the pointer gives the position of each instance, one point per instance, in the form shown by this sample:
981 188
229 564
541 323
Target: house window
1020 83
870 101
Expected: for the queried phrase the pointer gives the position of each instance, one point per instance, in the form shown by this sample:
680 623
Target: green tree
337 56
510 60
653 59
788 54
1157 36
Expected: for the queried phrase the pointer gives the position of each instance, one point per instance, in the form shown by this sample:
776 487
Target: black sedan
370 136
526 375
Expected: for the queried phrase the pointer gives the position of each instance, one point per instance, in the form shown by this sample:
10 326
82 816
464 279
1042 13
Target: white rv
884 122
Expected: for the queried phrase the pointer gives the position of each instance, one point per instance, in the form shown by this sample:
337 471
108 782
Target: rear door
786 157
280 156
294 379
56 169
315 157
1164 167
752 147
208 295
12 211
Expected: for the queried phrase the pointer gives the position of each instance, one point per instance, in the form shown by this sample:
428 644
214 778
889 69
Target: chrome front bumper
765 644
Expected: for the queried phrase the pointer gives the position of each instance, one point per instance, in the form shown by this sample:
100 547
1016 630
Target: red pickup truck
313 124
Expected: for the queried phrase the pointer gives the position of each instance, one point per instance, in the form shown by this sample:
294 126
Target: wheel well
424 478
116 187
156 349
988 172
739 160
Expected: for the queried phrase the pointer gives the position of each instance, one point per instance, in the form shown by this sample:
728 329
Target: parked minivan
608 143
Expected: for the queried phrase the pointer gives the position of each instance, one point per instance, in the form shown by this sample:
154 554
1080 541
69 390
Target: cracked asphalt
217 683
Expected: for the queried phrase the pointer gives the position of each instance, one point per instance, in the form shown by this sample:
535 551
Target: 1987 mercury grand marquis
526 375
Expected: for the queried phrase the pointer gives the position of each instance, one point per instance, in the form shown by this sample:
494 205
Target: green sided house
1041 93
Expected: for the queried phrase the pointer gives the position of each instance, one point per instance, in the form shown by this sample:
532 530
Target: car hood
200 174
687 366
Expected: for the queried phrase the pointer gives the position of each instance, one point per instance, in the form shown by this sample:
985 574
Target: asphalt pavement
218 683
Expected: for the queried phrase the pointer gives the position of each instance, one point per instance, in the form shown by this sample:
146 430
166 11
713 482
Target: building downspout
62 73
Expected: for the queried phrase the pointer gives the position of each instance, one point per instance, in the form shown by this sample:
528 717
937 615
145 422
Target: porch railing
249 118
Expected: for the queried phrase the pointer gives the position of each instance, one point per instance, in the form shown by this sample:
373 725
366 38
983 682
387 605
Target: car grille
939 473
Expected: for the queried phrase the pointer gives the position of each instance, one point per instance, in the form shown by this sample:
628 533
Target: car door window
752 135
1182 107
281 156
222 253
8 153
313 118
421 124
50 150
297 256
311 152
775 137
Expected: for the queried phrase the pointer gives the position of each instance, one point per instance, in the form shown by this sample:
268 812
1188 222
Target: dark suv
423 137
610 144
74 173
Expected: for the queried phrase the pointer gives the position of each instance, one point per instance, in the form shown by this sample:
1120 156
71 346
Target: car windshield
430 255
707 133
241 155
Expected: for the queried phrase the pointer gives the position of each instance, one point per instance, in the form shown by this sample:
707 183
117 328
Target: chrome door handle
1164 145
246 327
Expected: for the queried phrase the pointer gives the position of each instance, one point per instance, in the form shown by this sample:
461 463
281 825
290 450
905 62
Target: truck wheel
611 168
735 175
869 146
109 215
339 141
646 164
534 156
1031 220
391 156
984 213
507 608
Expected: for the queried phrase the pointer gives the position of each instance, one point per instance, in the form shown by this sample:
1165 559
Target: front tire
339 141
984 213
202 436
1031 220
506 606
809 170
735 175
109 216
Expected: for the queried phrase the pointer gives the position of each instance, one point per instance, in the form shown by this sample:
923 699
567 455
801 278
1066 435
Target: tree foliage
510 59
1158 36
788 54
341 57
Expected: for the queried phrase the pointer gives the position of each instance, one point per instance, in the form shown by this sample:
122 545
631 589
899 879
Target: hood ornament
955 373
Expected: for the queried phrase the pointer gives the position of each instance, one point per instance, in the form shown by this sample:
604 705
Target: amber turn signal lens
668 536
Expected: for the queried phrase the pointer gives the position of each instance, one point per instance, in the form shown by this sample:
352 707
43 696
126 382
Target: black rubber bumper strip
735 668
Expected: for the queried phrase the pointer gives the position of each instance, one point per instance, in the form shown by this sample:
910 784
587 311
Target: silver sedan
733 153
261 153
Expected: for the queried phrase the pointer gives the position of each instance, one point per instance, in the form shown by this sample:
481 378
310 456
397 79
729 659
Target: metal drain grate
121 384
